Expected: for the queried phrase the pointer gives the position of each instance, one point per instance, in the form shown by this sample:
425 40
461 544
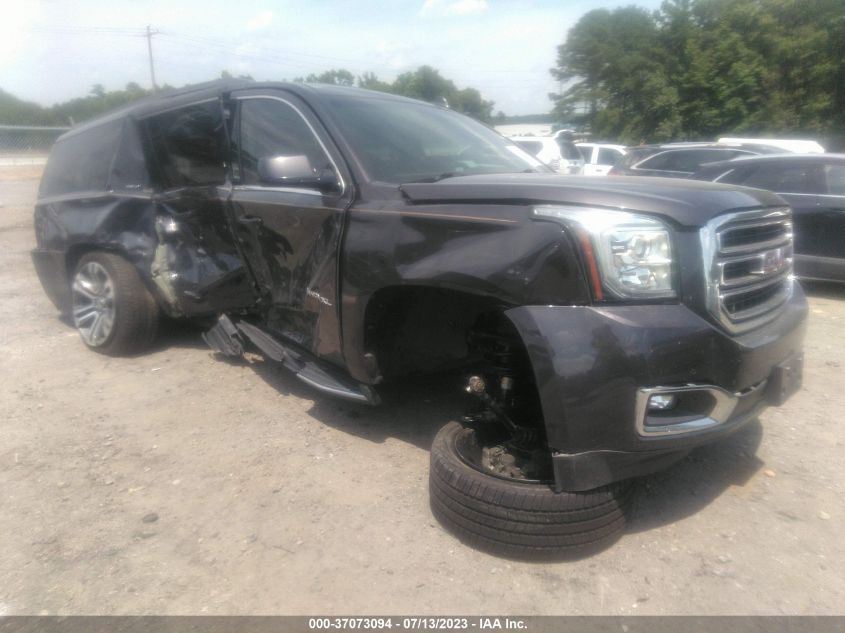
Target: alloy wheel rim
93 303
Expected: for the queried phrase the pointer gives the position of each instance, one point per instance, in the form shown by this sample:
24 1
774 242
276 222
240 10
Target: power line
305 62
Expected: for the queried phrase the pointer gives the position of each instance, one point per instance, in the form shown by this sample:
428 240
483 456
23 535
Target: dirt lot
271 499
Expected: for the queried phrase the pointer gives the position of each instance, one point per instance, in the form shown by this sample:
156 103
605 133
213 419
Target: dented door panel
290 241
182 248
197 267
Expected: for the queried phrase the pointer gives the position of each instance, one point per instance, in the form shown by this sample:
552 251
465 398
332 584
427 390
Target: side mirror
295 171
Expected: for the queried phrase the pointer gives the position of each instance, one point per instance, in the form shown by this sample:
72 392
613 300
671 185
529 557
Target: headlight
632 253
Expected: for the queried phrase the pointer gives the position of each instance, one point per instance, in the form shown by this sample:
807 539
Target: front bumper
591 364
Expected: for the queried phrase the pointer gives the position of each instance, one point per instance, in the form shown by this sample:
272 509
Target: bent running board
226 337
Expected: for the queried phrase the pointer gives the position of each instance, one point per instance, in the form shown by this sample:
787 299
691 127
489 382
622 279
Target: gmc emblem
769 262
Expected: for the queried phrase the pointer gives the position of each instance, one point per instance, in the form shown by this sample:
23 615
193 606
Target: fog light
662 402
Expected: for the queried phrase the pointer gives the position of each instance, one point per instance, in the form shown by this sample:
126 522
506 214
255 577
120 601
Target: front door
290 233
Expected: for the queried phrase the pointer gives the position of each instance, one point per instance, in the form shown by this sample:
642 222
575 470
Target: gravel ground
176 483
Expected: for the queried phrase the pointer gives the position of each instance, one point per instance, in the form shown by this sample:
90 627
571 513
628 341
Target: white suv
560 155
599 158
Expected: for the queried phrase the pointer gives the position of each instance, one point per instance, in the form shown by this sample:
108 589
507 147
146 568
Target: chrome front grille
748 266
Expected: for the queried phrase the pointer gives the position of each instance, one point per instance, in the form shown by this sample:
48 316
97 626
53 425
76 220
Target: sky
55 50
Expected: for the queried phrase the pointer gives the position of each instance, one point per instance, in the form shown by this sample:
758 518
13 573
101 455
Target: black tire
520 519
135 312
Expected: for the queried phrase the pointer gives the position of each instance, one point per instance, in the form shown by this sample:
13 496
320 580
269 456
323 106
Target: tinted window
734 176
401 141
535 147
688 160
189 145
608 156
82 161
783 177
129 167
271 128
835 176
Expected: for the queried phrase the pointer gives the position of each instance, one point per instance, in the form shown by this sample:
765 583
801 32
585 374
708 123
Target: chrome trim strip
783 240
762 308
725 404
758 285
298 190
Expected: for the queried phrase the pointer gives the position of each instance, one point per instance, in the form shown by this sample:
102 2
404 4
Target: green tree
337 77
369 81
616 67
427 84
699 68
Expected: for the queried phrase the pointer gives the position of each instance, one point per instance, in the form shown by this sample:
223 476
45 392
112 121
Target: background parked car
559 154
599 158
791 145
814 186
680 160
573 161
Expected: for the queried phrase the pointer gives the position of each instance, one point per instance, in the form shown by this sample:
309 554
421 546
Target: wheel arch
420 328
79 250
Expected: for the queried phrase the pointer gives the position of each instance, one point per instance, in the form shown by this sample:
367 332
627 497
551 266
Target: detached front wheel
113 311
505 504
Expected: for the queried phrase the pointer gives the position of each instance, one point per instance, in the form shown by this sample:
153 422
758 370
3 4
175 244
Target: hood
687 202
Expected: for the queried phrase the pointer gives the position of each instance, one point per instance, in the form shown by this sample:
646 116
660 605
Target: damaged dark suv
603 327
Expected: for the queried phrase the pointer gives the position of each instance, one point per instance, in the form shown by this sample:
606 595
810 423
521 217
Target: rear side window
129 171
82 161
688 160
189 145
734 176
835 176
608 156
784 177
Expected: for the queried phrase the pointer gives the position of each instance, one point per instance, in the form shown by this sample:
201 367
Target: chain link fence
27 144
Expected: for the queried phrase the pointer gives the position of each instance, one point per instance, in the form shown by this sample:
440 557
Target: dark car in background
681 160
814 186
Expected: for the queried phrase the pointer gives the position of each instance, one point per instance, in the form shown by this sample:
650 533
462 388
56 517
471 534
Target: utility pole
149 37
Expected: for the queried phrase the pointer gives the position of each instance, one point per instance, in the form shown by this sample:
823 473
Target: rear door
801 184
830 219
197 265
290 234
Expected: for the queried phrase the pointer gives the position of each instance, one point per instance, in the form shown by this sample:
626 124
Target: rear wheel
502 501
113 311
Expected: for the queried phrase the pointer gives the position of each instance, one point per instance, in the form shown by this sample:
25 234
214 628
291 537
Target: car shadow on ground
415 408
412 410
700 478
824 289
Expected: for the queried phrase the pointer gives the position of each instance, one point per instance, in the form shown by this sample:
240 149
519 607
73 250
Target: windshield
401 141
